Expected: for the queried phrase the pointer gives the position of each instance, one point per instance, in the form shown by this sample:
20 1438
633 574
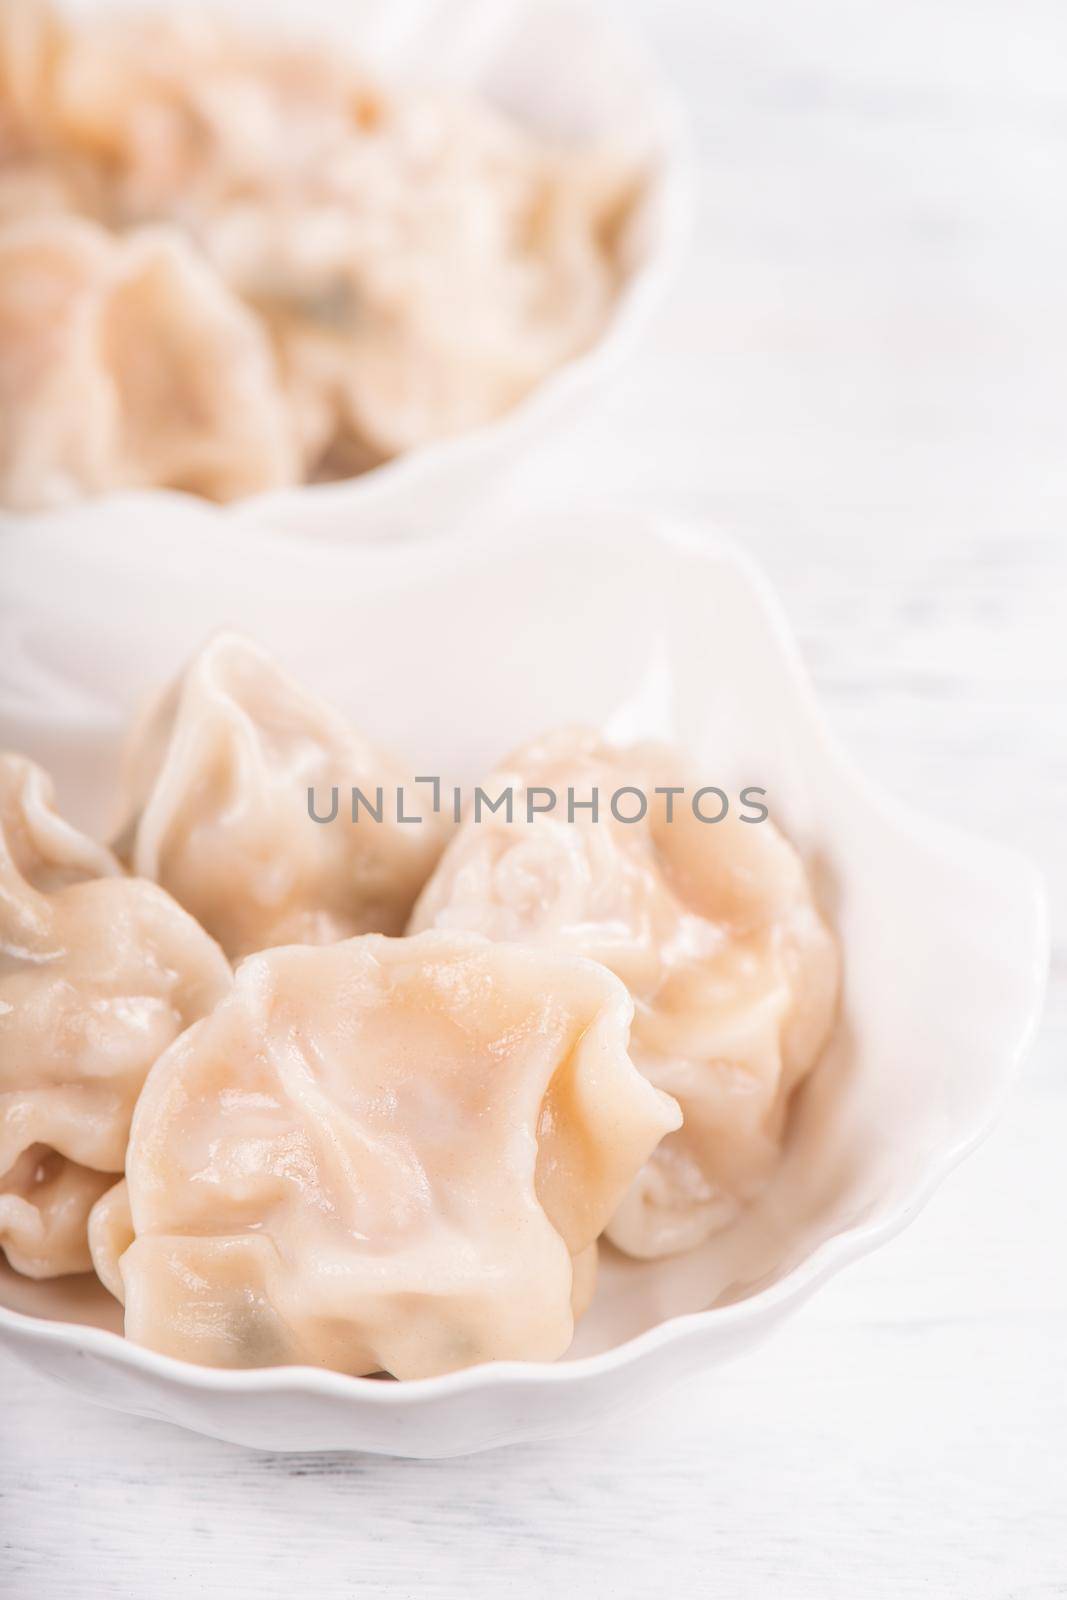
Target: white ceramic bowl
565 67
454 652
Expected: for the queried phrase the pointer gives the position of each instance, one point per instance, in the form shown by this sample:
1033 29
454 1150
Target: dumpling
390 265
383 1154
188 115
45 1201
420 260
220 779
713 927
126 362
98 974
350 271
31 40
53 404
110 1235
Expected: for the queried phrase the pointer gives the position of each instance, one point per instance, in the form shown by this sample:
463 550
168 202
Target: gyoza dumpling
126 362
711 925
384 1154
220 779
98 973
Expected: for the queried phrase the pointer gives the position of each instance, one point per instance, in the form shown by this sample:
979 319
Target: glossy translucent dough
219 778
711 925
384 1154
110 1235
98 974
128 363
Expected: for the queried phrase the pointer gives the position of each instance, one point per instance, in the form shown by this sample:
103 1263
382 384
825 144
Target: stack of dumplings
230 265
711 925
448 1063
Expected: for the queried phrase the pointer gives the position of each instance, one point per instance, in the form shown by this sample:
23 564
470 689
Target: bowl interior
452 654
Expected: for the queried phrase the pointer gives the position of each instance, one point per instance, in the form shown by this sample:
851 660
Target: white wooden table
863 376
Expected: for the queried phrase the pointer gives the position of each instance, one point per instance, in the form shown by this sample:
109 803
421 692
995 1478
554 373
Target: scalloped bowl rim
828 1258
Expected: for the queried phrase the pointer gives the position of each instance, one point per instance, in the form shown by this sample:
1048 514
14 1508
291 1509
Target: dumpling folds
98 974
125 362
385 1154
220 778
419 261
45 1201
400 348
711 925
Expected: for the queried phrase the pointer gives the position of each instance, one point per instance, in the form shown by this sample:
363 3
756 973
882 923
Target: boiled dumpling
420 260
125 362
45 1201
220 779
349 272
384 1154
98 974
31 40
355 269
711 925
110 1235
52 401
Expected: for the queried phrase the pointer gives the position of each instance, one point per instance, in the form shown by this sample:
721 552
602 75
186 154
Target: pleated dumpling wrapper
125 362
382 1155
713 927
416 260
220 777
98 974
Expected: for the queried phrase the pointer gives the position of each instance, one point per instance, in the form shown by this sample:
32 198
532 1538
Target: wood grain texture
861 375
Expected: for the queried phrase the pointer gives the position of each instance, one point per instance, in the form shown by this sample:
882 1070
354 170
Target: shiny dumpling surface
98 974
219 777
712 926
45 1202
383 1154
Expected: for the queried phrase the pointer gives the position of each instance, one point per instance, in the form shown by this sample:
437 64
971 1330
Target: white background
863 376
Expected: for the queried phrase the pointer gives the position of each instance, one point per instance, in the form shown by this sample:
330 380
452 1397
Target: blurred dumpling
126 362
384 1154
219 780
711 925
425 279
420 261
98 974
388 266
31 41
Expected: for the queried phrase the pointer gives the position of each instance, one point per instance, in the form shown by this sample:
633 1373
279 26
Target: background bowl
453 653
567 68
